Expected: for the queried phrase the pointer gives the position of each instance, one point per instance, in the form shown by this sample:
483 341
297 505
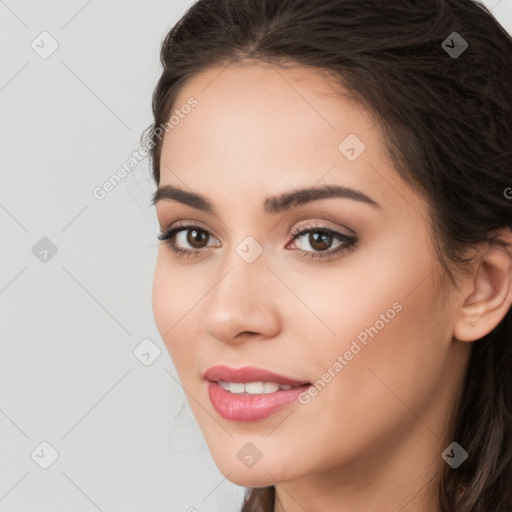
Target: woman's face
355 311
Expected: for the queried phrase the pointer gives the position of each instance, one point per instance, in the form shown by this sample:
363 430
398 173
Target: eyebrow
272 204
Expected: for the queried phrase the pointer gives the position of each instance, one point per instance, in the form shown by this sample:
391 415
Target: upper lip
247 374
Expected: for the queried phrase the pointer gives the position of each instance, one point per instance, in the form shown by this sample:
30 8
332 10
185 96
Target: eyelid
189 223
179 226
302 226
347 242
325 225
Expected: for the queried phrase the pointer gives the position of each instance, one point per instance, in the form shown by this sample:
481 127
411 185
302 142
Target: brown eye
320 240
324 243
196 237
187 240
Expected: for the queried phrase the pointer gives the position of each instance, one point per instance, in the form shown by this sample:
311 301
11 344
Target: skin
372 438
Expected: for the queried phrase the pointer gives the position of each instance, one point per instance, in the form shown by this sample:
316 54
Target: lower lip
236 407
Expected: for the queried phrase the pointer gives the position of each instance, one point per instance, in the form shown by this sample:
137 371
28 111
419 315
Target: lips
248 374
253 406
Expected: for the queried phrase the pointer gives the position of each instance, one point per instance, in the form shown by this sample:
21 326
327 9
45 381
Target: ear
488 294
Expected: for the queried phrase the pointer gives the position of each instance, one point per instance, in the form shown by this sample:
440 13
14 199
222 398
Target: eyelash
347 245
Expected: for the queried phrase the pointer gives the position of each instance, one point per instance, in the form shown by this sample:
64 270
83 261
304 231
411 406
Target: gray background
126 440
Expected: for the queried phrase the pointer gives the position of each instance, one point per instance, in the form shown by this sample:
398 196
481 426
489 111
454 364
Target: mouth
249 393
254 388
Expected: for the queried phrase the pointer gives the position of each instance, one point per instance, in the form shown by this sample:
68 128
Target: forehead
264 114
248 95
260 129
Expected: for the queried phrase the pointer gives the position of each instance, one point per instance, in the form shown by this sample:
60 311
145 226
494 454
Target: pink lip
249 407
247 374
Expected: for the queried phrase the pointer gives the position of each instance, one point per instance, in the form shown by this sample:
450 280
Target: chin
250 477
261 474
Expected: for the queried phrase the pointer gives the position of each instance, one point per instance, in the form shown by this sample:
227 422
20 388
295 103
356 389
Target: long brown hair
447 124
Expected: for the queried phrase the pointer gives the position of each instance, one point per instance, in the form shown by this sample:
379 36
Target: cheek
392 380
390 331
175 295
161 298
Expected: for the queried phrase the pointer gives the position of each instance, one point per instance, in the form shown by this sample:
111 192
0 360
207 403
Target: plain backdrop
92 417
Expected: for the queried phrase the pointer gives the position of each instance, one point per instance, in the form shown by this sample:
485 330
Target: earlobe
490 295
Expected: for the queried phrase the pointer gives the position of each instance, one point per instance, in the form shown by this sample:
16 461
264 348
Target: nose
242 303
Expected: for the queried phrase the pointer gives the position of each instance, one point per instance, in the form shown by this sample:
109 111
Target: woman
334 279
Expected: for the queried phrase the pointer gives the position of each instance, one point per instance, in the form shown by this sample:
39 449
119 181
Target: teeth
270 387
236 387
253 388
224 385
